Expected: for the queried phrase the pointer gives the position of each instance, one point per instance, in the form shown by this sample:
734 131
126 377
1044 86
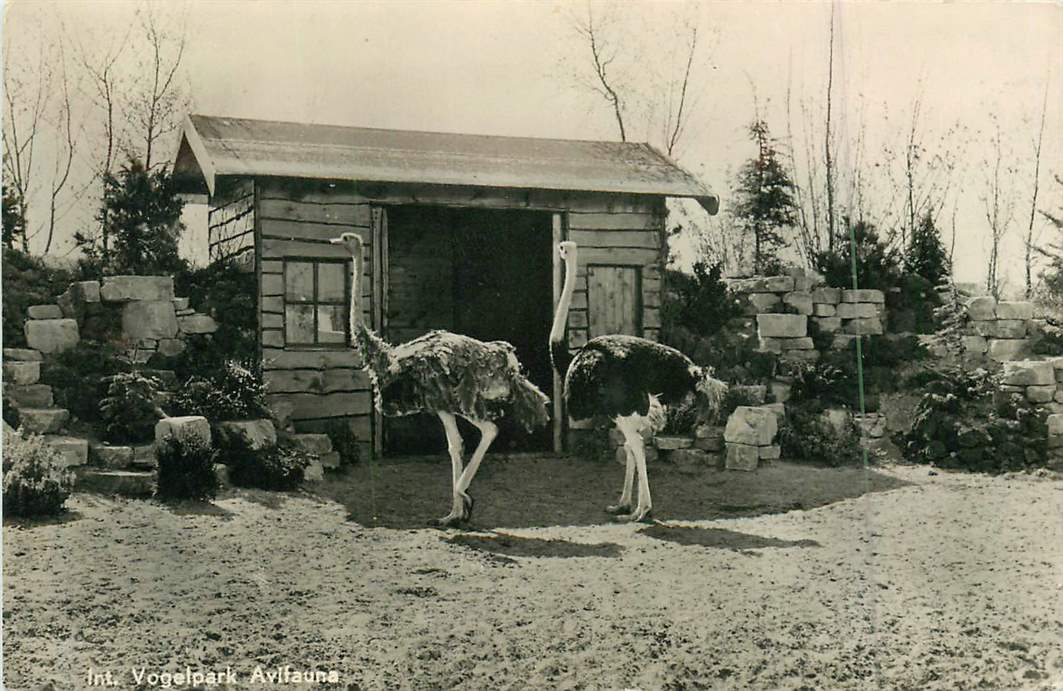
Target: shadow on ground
719 538
505 545
540 491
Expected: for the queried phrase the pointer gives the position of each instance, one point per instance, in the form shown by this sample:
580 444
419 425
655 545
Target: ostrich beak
336 241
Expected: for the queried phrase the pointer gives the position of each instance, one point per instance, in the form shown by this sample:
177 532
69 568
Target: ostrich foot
617 509
459 513
639 515
467 503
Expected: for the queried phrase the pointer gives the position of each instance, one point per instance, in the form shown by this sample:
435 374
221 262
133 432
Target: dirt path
945 581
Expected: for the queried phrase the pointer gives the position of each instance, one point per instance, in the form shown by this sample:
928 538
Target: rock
1015 310
1028 373
171 347
42 420
762 284
770 345
975 344
741 457
52 335
670 443
282 415
780 391
708 438
777 409
796 343
800 301
44 312
752 426
1055 425
86 291
184 429
180 304
258 434
153 319
134 288
27 354
22 373
770 453
827 296
144 457
763 302
330 460
112 457
1007 328
1004 349
197 324
824 310
838 418
828 324
872 424
315 472
800 355
1041 394
782 325
863 327
857 310
691 457
864 295
135 484
72 450
982 308
29 396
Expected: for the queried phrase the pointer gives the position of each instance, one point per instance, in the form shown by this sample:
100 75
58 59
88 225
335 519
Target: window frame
316 302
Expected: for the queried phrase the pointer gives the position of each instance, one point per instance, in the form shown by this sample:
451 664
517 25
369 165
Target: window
316 302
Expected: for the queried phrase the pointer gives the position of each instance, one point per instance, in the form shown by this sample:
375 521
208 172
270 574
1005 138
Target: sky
511 68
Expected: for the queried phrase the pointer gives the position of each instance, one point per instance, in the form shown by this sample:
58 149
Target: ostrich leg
454 447
630 426
488 432
624 505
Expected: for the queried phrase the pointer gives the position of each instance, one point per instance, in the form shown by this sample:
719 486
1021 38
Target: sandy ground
893 578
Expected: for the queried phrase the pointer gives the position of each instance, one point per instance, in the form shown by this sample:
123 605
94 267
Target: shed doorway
484 273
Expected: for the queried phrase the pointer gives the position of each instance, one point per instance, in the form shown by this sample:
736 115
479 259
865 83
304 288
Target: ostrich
627 379
449 375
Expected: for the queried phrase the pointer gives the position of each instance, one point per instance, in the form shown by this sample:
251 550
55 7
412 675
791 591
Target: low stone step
330 460
136 484
23 354
29 395
74 450
317 444
315 472
671 443
44 312
52 335
112 457
144 457
22 373
42 420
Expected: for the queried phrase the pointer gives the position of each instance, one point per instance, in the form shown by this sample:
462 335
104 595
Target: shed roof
219 146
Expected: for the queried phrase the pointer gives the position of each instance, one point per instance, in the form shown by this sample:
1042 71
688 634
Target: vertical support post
558 397
379 305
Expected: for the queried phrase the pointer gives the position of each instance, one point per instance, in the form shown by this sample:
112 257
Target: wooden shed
460 233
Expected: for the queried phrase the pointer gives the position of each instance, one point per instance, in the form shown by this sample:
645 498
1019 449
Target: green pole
859 339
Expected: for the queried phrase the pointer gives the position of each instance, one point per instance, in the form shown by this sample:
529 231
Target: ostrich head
567 250
352 241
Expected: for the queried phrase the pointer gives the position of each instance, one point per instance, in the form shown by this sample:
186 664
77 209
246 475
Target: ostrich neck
356 292
557 331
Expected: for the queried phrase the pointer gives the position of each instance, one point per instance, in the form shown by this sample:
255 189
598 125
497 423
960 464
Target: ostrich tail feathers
709 393
531 407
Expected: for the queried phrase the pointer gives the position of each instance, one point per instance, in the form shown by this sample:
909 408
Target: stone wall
1040 382
1000 331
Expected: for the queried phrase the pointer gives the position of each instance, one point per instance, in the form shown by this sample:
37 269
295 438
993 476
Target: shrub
925 255
276 468
26 281
806 435
79 377
186 469
1048 340
233 393
344 441
35 481
699 303
129 410
877 265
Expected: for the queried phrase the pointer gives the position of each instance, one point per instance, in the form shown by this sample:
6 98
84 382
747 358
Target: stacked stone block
1040 382
1000 331
750 437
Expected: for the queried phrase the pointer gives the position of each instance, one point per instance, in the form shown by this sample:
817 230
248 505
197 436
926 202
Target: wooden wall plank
615 221
275 358
616 238
315 381
328 212
315 232
277 249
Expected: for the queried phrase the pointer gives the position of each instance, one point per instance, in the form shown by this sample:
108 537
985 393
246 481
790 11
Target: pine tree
14 218
765 202
1052 275
926 255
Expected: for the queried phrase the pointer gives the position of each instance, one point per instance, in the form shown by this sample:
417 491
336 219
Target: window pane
299 323
331 282
299 281
331 324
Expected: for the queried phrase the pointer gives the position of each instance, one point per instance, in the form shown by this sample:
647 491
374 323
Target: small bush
79 377
129 411
277 468
35 481
344 441
877 265
806 435
233 393
186 469
229 294
700 303
26 281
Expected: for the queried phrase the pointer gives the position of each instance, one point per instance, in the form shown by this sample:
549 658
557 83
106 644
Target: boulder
221 472
1058 396
1004 349
153 319
29 396
872 424
1055 425
170 347
52 335
770 453
708 438
72 450
1041 394
30 355
1007 328
22 373
691 457
188 428
770 345
781 391
258 434
671 443
109 456
975 344
824 310
42 420
752 426
982 308
763 302
827 296
828 324
863 327
330 460
742 457
1028 373
86 291
197 324
782 325
796 343
180 304
44 312
762 284
1015 310
800 301
315 472
838 418
864 295
134 288
857 310
144 457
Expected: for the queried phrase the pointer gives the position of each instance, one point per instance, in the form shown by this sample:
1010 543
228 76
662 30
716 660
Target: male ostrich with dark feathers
448 375
627 380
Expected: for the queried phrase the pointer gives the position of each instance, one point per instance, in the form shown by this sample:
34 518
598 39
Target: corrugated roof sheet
219 146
